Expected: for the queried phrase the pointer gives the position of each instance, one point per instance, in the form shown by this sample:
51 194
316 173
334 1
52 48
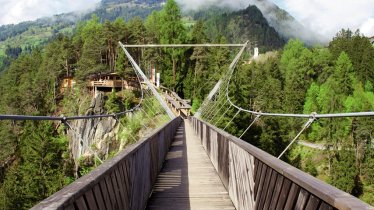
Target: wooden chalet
107 82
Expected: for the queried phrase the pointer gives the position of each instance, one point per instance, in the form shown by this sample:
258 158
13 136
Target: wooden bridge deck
188 179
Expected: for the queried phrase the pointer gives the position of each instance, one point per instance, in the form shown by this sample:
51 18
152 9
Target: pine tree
172 32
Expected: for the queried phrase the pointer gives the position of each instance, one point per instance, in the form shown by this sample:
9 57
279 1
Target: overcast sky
325 16
329 16
15 11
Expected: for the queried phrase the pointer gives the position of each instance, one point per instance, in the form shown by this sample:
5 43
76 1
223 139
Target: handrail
124 182
266 175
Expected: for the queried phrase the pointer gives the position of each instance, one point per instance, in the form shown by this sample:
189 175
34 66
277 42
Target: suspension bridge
189 163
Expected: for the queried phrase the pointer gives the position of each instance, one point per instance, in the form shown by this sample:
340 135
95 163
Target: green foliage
129 99
112 104
344 172
360 51
40 170
311 168
172 31
135 122
195 105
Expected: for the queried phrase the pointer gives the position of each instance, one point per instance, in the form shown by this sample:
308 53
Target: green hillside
32 34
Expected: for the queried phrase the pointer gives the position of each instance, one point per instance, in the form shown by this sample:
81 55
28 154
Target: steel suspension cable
250 125
306 125
232 119
219 111
223 114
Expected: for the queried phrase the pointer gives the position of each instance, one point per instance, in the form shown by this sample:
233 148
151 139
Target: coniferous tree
172 32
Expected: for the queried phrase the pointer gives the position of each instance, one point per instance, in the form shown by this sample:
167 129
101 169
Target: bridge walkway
188 179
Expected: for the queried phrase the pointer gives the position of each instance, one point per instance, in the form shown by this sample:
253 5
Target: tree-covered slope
240 26
31 34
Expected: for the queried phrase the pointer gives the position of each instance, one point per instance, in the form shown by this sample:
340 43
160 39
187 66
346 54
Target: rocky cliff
93 137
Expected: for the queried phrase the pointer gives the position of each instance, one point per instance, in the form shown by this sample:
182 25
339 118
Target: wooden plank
325 206
292 196
258 175
204 137
214 149
91 201
201 131
154 159
125 185
264 189
241 178
277 191
121 188
313 203
105 193
135 179
80 204
223 160
111 193
261 183
146 176
283 194
270 190
207 137
116 190
98 197
70 207
163 145
302 199
255 168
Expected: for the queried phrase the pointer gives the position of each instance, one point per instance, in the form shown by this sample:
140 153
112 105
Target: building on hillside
108 82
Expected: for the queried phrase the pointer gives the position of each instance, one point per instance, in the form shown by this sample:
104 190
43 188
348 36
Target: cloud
327 17
23 10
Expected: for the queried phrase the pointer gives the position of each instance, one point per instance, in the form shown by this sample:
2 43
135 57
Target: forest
333 79
35 160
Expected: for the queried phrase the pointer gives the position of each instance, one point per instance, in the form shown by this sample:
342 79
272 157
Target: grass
368 194
34 36
133 129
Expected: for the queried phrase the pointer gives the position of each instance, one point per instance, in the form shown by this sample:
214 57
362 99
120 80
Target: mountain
265 24
30 34
240 26
286 25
